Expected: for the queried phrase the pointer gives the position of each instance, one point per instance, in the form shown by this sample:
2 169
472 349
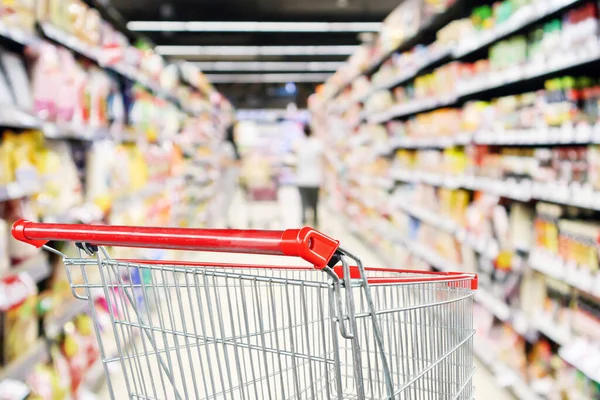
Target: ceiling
256 94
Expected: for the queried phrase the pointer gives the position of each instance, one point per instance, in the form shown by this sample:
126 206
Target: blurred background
451 135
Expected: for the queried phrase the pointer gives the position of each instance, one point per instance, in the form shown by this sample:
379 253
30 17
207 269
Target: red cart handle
307 243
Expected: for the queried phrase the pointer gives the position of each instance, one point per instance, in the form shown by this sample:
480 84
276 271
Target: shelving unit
524 17
401 143
524 326
163 150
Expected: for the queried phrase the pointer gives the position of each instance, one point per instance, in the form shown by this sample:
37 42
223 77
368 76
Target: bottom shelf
504 375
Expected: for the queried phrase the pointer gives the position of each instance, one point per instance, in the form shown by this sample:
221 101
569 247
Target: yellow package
75 17
21 329
57 12
7 172
138 169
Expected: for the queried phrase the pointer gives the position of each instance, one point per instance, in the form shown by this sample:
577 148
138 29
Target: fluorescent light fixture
267 78
254 50
312 66
244 26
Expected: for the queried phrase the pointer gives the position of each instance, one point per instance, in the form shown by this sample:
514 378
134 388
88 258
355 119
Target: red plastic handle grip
311 245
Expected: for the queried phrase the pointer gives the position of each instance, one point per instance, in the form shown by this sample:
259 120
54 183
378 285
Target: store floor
289 215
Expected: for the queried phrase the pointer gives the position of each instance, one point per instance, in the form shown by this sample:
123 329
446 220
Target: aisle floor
289 213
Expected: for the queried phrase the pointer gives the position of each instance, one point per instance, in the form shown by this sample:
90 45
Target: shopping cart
330 330
263 203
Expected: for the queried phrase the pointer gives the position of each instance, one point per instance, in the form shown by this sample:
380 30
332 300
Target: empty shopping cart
332 329
263 204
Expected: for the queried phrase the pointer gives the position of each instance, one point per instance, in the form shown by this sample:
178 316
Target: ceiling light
254 50
267 78
312 66
246 26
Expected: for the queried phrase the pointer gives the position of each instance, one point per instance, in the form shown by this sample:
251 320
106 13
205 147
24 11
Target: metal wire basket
240 331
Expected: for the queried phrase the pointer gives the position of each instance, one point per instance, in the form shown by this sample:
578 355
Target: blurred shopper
260 174
231 172
230 137
309 173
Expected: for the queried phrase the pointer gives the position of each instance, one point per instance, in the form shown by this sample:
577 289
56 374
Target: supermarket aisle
334 226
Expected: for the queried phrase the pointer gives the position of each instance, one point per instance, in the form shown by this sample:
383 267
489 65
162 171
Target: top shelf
427 30
423 35
526 16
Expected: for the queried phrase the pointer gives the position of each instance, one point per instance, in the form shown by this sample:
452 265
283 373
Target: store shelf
427 29
503 373
559 63
554 266
584 355
94 54
15 118
69 41
16 190
485 246
20 368
543 136
571 194
524 17
496 306
37 267
558 334
12 117
410 108
566 135
16 35
441 142
477 85
527 328
514 382
69 131
406 76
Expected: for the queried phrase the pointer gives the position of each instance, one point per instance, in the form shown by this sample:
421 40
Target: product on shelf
19 15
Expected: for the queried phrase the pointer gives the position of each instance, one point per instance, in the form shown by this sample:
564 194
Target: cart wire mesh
207 331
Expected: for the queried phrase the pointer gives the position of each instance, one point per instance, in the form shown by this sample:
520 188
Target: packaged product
26 146
45 383
578 243
101 160
580 27
46 78
17 209
521 226
99 89
20 321
586 316
4 250
115 108
92 27
83 103
540 360
18 14
61 368
151 63
62 188
75 17
7 172
593 154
